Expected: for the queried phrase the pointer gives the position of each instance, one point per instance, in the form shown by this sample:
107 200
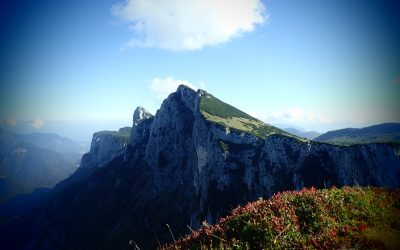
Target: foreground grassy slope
217 111
360 218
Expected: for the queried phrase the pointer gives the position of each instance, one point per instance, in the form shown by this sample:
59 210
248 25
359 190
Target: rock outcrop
185 152
195 160
105 146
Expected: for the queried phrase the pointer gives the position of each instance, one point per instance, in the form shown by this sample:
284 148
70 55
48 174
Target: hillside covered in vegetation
381 133
217 111
360 218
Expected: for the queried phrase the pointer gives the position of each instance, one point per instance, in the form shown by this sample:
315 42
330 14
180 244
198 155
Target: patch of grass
348 140
361 218
125 130
224 146
217 111
122 135
388 236
216 107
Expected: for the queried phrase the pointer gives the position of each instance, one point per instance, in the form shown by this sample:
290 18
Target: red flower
362 227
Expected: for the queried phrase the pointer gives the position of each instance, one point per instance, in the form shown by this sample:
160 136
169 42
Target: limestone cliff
195 160
105 146
224 159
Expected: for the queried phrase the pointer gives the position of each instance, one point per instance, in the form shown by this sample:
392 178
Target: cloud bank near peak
188 25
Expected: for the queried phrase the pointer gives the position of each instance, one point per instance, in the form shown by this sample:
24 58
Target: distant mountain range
195 160
303 134
30 161
26 167
70 149
382 133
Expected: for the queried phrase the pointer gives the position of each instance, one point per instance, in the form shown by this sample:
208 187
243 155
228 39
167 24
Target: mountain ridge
180 169
310 135
226 115
380 133
26 167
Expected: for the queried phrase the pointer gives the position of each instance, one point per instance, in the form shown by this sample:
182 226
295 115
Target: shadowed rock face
180 168
107 145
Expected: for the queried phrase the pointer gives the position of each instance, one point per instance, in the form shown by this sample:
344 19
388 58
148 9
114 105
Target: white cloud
293 114
188 24
37 123
162 87
259 115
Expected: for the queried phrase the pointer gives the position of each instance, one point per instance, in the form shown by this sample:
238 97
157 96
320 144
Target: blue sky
319 65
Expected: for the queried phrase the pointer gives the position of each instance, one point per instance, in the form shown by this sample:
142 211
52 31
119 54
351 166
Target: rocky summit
195 160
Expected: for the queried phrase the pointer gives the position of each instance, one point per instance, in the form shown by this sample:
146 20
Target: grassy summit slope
122 134
360 218
217 111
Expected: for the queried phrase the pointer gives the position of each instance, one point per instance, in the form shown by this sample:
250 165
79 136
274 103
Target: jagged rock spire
140 114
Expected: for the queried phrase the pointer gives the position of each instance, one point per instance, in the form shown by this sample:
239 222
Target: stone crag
180 169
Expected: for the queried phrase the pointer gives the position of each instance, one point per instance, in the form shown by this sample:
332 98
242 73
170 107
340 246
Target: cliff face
105 146
142 122
221 166
195 160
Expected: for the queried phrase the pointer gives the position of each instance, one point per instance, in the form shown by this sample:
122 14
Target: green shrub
361 218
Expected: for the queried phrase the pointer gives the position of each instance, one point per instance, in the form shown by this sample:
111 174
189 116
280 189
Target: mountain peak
140 114
183 87
198 157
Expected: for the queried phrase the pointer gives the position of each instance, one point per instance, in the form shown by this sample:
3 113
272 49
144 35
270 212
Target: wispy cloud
11 121
37 123
188 25
162 87
292 115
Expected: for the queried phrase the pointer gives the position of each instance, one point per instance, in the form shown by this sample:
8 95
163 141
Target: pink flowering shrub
349 217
